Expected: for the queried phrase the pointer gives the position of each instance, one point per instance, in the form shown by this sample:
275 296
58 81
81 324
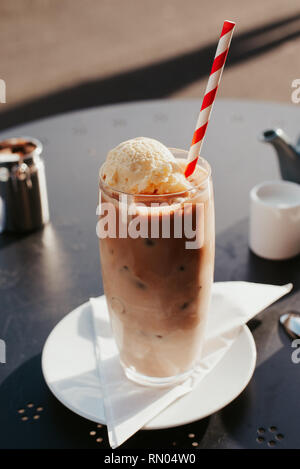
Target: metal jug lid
19 150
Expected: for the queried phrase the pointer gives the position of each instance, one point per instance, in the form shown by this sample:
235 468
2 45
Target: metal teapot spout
288 156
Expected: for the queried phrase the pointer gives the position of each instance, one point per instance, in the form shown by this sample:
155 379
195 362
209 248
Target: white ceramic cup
274 231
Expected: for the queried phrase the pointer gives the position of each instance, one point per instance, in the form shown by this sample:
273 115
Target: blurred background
60 55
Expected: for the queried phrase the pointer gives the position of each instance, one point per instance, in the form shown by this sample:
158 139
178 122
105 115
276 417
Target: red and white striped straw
210 95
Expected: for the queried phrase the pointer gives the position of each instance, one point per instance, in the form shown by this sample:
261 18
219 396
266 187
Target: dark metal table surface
44 275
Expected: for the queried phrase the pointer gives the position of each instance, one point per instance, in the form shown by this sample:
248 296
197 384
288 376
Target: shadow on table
10 238
274 411
31 417
235 261
22 394
186 437
157 80
270 400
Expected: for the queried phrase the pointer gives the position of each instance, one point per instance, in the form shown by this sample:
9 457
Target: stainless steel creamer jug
23 191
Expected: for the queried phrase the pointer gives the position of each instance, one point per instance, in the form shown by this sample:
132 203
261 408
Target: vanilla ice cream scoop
143 166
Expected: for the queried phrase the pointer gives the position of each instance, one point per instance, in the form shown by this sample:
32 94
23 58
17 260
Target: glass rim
207 167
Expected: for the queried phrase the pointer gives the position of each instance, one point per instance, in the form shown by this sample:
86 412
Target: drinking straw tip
227 26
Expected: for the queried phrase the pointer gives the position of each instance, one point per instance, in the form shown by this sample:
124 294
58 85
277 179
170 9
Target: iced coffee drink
157 257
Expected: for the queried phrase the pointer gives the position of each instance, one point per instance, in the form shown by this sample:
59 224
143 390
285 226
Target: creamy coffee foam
143 166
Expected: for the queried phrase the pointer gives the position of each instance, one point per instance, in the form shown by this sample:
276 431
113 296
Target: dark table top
44 275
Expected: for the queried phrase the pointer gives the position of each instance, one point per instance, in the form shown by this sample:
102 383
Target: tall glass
157 266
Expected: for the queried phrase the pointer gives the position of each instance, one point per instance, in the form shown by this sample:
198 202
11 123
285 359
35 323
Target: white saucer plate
70 371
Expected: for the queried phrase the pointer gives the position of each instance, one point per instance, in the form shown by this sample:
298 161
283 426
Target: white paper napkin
128 406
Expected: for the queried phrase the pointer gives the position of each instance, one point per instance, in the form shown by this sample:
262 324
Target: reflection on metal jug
23 190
